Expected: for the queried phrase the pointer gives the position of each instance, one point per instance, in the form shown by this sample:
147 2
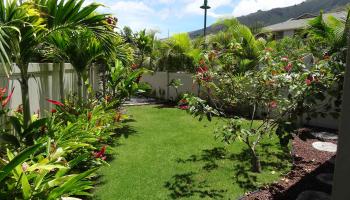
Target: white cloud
131 7
245 7
193 7
167 14
135 14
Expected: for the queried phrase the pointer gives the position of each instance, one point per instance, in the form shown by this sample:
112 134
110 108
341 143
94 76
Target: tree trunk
25 95
61 80
104 80
256 165
80 88
142 59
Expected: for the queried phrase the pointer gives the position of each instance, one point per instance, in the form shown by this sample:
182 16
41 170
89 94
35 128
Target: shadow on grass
126 131
184 185
166 105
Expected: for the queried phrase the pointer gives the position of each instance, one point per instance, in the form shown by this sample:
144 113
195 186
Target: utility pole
206 8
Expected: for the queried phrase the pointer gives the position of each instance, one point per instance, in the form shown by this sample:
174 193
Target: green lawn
166 154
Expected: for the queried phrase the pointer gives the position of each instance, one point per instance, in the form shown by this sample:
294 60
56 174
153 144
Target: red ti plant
101 153
5 100
57 103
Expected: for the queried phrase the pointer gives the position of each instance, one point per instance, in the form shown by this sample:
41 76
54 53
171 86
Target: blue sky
181 15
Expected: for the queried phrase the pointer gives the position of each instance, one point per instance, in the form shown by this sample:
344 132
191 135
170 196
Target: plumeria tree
278 94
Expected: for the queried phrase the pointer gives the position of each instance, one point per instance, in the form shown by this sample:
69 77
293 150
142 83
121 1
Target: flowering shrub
279 93
64 152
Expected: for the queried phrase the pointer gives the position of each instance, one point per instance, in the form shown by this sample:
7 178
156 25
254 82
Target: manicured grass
166 154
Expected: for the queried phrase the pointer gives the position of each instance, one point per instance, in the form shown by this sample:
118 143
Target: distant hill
278 15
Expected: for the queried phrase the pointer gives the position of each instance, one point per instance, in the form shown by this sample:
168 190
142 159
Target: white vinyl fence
44 84
159 82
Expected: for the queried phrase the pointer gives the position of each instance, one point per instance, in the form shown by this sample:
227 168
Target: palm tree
38 19
28 27
144 46
82 47
4 37
178 53
249 48
327 33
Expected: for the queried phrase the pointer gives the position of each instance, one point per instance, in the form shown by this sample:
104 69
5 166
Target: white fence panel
159 82
44 83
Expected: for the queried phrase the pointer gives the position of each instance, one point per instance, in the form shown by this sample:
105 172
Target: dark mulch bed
308 163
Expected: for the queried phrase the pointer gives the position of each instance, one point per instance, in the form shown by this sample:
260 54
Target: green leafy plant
175 83
123 81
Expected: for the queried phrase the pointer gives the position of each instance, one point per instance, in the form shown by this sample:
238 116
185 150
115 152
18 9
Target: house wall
288 33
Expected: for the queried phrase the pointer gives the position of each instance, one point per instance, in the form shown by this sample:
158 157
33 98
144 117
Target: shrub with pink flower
183 104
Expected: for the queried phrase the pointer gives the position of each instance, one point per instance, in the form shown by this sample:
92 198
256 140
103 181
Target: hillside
278 15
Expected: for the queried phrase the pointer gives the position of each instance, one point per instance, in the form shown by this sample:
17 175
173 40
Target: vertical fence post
61 81
341 187
167 86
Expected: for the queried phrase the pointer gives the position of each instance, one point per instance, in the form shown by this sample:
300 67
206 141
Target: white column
341 185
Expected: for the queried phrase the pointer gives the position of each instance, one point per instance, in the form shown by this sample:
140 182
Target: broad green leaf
26 189
9 139
70 184
19 159
16 125
48 167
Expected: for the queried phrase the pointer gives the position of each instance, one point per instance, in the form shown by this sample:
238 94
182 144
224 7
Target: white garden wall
159 82
43 84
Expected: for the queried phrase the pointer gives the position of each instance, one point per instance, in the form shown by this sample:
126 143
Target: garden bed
308 163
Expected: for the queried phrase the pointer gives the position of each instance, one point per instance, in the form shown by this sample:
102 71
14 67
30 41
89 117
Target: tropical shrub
64 150
32 22
278 93
175 83
124 81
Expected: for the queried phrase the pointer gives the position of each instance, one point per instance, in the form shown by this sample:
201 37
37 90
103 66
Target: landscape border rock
324 136
325 146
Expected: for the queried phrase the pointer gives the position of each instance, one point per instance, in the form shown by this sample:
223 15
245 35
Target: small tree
277 94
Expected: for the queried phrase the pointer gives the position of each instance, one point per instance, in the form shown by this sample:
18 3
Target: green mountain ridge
277 15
